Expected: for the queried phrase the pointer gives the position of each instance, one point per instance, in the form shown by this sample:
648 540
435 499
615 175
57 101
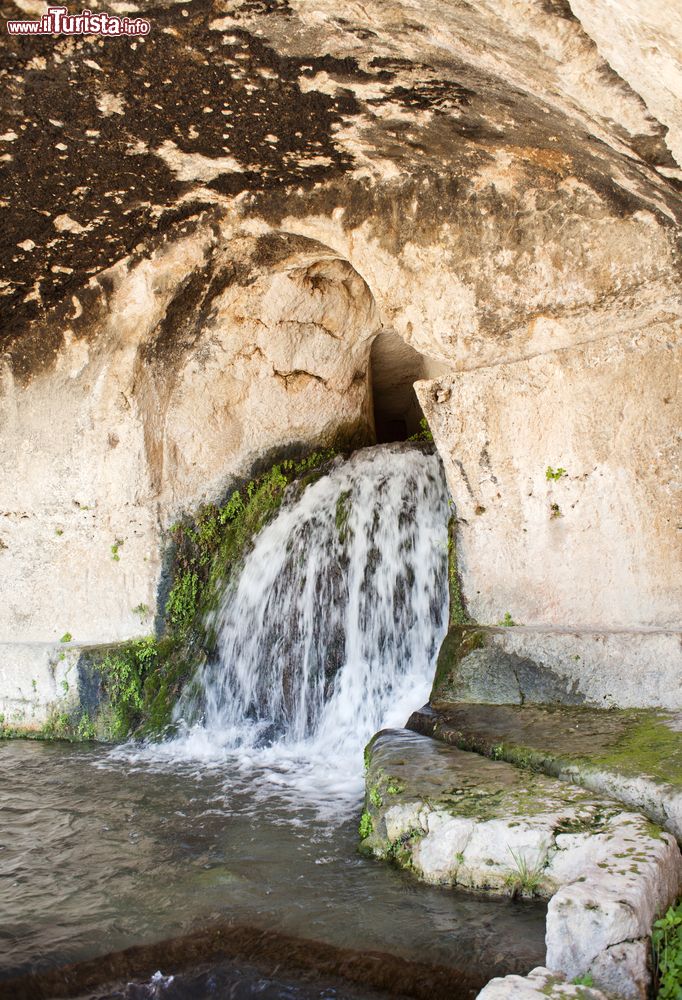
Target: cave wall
206 358
587 560
186 289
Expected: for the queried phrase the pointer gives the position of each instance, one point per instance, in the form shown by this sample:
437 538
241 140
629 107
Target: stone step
460 819
632 755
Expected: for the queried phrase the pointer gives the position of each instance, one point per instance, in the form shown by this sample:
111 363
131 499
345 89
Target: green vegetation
400 850
424 432
375 798
58 727
555 510
124 673
140 681
395 787
458 643
212 545
366 828
585 980
58 531
667 944
524 879
554 474
508 621
181 606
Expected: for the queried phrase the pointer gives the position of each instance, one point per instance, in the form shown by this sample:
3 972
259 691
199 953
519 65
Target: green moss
85 729
181 606
458 643
400 850
458 612
473 803
124 673
647 746
128 702
58 726
210 547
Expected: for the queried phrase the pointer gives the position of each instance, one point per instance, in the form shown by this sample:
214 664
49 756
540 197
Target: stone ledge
578 665
634 756
540 984
457 818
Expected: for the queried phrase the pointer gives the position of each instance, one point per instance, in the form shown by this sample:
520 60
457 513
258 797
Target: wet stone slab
458 818
634 756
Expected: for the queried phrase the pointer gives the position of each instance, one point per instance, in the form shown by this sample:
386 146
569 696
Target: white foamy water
329 633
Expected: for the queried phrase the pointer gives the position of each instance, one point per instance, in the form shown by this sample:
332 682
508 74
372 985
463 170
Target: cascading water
331 630
250 814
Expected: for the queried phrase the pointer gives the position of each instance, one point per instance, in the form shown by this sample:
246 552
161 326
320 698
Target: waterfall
331 629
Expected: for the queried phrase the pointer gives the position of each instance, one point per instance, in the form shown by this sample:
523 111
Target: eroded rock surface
205 229
460 819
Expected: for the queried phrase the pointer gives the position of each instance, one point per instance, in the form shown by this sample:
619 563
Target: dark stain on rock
176 86
273 248
95 118
559 8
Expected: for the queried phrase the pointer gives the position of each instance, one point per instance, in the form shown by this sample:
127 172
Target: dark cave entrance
394 368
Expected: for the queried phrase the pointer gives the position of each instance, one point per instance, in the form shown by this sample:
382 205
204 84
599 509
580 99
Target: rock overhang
283 112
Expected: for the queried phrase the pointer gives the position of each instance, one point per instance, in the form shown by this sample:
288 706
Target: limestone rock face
591 542
643 42
205 230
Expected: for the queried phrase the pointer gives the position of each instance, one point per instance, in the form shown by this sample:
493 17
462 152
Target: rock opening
394 368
